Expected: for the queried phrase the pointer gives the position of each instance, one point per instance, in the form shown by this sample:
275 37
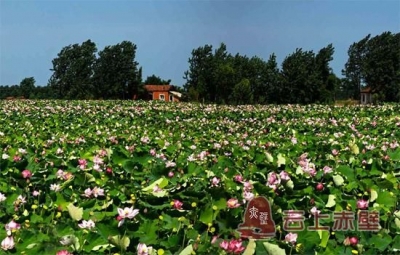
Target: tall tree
375 62
354 66
116 73
299 78
73 71
27 87
199 76
223 72
325 89
257 76
272 80
381 65
242 93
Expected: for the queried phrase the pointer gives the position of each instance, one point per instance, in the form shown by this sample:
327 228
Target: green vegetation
108 177
216 76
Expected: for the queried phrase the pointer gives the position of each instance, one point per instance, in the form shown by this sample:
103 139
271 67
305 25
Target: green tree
9 91
242 93
27 87
299 78
375 62
381 65
116 73
221 84
199 76
272 81
325 89
257 76
354 66
73 71
156 80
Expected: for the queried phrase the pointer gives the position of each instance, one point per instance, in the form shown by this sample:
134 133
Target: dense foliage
107 177
375 61
216 76
222 78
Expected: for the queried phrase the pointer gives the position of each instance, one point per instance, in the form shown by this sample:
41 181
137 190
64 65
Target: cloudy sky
32 32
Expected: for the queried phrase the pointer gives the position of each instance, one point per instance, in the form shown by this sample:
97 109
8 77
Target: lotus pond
131 177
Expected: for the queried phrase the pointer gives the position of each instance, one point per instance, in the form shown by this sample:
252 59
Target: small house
162 92
366 95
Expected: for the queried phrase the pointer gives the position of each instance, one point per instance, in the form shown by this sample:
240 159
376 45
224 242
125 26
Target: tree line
215 76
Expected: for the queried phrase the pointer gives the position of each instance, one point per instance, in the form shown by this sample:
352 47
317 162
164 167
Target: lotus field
131 177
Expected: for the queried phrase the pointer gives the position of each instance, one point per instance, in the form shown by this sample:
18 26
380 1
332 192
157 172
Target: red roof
152 88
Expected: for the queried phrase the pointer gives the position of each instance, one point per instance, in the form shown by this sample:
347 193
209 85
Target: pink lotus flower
247 195
224 245
273 180
143 249
60 173
88 192
284 176
87 224
63 252
362 204
145 139
335 152
97 160
291 238
247 186
327 170
214 182
170 164
98 192
8 243
350 241
109 170
127 212
97 167
63 175
177 204
234 246
233 203
171 174
82 163
238 178
26 174
353 240
12 226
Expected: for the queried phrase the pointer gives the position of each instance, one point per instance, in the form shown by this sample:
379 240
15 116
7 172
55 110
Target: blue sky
33 32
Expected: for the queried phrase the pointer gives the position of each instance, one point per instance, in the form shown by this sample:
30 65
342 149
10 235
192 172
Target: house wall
156 95
366 98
